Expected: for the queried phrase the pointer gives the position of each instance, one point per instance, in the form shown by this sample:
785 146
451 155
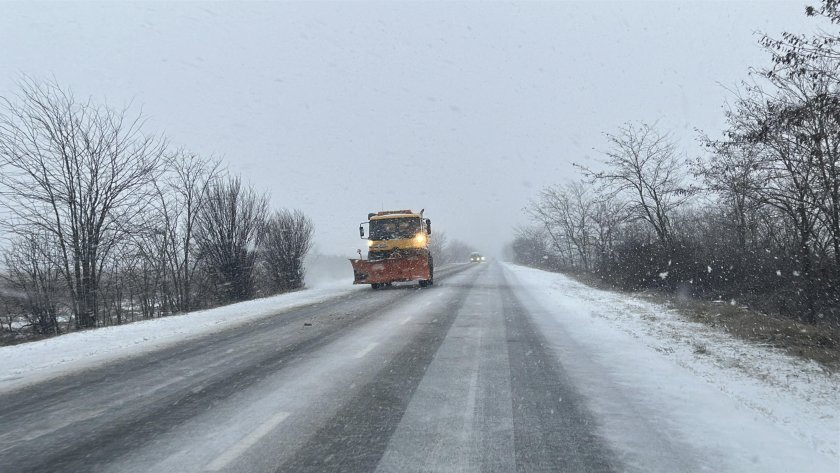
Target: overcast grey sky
339 109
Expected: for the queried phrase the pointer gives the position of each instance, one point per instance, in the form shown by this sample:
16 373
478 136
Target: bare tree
642 167
567 213
288 238
230 228
530 247
180 199
730 176
77 171
34 276
115 286
458 251
786 175
446 251
149 254
811 120
437 247
608 215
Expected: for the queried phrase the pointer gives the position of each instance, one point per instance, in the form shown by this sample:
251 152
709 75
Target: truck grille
396 253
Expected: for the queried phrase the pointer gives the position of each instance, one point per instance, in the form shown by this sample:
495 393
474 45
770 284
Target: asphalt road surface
457 377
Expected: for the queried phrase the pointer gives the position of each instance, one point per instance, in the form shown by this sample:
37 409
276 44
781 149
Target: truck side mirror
428 226
361 231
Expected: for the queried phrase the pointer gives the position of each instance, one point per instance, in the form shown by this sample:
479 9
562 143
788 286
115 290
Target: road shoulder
734 397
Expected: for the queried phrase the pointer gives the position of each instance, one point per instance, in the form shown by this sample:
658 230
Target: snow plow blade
390 270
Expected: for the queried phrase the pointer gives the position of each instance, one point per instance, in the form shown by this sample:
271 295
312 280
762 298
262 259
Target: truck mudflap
390 270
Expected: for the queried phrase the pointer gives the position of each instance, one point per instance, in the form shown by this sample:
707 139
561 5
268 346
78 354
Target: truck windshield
394 228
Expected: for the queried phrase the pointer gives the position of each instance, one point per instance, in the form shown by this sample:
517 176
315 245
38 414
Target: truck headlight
370 243
420 238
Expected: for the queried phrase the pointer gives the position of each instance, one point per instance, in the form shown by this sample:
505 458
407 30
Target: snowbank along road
495 368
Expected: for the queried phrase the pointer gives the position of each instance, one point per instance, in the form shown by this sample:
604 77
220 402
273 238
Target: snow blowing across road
751 408
31 362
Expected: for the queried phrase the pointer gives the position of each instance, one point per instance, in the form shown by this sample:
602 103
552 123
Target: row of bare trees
757 219
106 224
445 251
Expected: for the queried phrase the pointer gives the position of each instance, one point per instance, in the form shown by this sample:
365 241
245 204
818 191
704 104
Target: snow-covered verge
715 384
31 362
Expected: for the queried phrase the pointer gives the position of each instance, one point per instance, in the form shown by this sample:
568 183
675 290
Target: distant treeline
106 224
757 219
445 251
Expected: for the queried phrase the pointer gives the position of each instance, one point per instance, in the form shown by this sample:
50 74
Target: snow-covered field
643 356
31 362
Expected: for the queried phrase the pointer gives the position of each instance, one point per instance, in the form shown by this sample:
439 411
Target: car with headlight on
476 257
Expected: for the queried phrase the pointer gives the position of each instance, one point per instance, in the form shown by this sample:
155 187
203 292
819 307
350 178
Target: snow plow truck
397 249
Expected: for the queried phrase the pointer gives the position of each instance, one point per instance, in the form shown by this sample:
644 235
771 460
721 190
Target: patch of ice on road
31 362
652 350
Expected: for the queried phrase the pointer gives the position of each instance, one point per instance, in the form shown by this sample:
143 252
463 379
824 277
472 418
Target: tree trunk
805 263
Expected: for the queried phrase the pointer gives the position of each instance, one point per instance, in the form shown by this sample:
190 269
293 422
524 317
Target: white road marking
367 349
406 320
247 442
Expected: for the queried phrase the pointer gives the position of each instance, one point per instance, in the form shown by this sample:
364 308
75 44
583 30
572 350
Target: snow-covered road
36 361
733 405
496 368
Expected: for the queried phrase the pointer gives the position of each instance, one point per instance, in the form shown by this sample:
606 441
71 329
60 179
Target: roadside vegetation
818 342
105 223
446 251
747 235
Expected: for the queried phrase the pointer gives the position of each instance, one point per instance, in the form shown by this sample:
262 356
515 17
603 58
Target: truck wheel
376 285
